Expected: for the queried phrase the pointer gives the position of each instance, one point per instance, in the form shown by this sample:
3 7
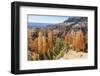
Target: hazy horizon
46 19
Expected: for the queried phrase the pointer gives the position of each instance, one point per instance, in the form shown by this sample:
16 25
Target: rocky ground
75 55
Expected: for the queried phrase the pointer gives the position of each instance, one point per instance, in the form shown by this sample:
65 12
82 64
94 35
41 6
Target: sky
46 19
